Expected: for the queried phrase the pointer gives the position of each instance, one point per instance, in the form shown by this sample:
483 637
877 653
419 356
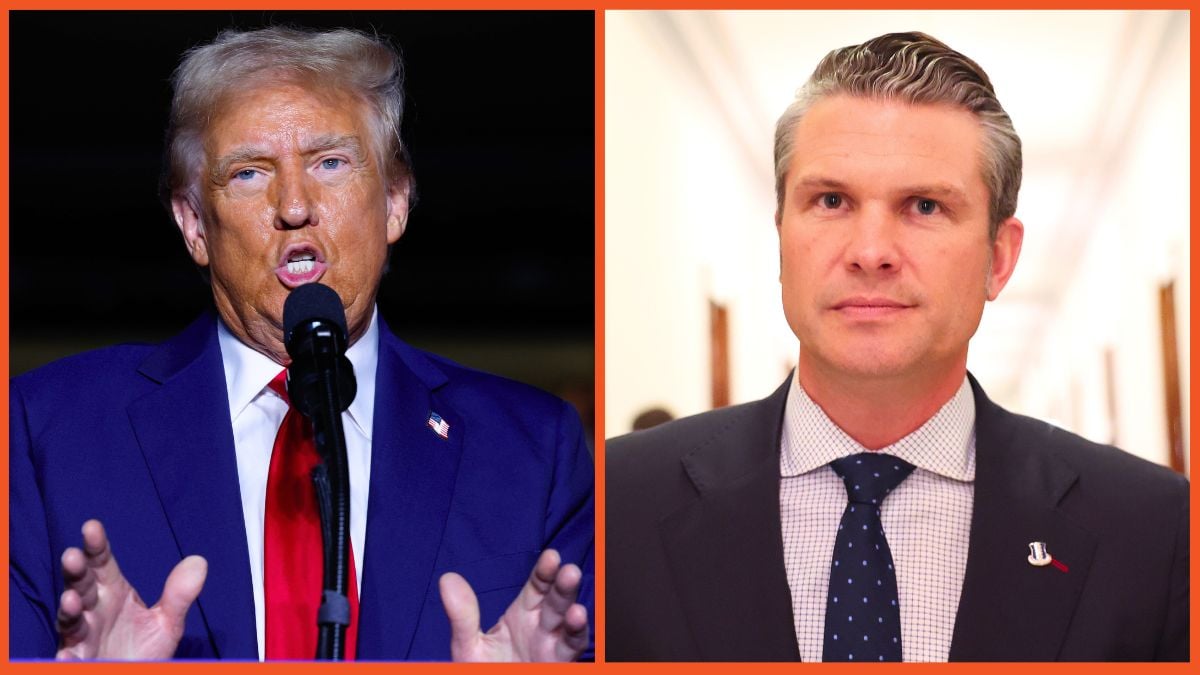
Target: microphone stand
321 385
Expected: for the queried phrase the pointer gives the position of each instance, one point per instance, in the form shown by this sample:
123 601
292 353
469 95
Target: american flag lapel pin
440 426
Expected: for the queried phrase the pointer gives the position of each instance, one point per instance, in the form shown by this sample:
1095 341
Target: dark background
495 269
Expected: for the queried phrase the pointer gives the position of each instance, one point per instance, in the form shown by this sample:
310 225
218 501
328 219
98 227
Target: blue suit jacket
139 437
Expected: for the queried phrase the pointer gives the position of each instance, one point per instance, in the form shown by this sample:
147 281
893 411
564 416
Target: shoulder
504 411
1106 490
77 396
1104 471
477 388
669 442
120 373
491 395
102 373
718 446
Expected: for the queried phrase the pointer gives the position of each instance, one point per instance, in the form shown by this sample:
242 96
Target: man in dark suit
745 534
286 168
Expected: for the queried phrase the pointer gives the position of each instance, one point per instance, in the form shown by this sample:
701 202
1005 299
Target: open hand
100 616
544 623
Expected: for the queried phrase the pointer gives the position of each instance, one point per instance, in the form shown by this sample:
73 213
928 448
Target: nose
872 246
294 199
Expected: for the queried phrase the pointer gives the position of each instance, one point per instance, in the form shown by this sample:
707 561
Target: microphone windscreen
312 301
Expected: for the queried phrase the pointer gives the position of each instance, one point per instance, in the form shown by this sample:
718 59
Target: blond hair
348 60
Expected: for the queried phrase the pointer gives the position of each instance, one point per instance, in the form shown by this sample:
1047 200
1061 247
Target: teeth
300 266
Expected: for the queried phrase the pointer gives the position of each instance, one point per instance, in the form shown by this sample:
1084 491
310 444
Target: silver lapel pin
1038 555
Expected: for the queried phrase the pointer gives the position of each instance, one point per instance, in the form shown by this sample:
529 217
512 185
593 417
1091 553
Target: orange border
598 625
4 262
599 6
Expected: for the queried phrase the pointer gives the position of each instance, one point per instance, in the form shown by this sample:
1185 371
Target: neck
264 334
878 411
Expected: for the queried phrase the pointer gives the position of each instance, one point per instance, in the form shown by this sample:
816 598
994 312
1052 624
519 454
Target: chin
871 362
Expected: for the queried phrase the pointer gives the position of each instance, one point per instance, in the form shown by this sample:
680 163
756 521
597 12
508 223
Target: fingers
462 608
575 634
77 576
80 594
99 553
544 623
182 588
81 571
71 626
560 597
541 579
561 614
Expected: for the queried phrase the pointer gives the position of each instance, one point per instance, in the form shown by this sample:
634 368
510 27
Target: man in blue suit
285 167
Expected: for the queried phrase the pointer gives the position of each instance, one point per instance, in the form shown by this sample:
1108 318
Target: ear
397 209
1005 251
779 240
191 226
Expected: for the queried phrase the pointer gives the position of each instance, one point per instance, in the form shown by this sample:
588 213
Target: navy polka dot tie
862 613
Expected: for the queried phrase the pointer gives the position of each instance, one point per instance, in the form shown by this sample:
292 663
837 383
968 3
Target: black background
495 268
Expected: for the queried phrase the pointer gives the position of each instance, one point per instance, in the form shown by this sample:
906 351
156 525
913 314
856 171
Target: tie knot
870 476
279 385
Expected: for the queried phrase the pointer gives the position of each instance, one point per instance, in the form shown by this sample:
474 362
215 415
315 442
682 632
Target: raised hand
544 623
100 616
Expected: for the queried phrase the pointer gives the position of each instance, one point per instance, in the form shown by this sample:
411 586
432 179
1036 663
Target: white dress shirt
927 519
257 412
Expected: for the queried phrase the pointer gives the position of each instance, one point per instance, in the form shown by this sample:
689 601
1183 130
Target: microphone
314 333
321 384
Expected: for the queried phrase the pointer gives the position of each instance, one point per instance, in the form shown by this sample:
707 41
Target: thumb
182 588
463 611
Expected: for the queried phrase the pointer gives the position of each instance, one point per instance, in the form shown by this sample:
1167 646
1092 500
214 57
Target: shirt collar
248 372
944 445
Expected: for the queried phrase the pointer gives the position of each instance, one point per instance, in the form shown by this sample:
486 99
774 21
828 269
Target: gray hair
915 68
363 65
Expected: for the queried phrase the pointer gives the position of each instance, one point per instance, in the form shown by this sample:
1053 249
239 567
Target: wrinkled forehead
881 139
284 106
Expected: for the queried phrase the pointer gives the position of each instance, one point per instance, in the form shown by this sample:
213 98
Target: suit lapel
727 567
1010 609
184 432
413 471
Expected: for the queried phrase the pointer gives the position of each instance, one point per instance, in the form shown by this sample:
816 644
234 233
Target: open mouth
300 264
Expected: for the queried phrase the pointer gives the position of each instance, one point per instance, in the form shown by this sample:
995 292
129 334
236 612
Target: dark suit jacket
694 553
140 438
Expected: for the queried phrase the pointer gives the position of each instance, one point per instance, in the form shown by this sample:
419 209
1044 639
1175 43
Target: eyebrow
247 154
324 143
820 182
941 191
327 142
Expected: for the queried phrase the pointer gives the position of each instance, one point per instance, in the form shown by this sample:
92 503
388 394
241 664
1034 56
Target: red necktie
292 553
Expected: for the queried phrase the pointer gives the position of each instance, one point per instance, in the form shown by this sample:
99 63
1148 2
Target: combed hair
343 59
915 68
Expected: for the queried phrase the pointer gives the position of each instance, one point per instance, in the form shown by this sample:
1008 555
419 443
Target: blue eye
926 207
332 163
245 174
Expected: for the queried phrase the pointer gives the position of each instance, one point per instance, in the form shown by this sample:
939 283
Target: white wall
1140 241
684 222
